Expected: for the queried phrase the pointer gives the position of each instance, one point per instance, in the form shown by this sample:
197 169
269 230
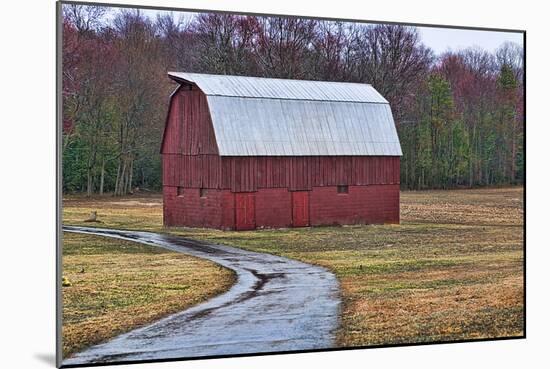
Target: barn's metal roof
277 88
255 116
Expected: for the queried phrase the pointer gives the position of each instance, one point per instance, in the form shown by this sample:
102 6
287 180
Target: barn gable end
189 128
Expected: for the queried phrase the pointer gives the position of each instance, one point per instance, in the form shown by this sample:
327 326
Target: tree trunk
471 158
514 153
102 180
121 182
128 188
117 178
89 185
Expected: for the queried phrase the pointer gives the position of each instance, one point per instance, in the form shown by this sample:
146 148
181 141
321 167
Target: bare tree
332 53
179 42
392 59
225 43
139 98
283 45
511 54
87 86
85 18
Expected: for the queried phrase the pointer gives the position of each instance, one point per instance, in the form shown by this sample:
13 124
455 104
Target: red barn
247 152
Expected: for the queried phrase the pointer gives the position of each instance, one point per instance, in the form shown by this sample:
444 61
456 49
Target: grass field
453 268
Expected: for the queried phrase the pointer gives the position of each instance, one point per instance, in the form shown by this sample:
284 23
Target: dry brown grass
452 270
117 286
143 212
497 206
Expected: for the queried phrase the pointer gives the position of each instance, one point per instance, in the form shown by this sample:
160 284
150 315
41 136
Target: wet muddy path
277 304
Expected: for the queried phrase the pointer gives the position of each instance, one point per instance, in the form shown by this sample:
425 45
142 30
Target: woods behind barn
459 115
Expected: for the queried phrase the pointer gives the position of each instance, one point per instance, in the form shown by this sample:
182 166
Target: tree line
459 115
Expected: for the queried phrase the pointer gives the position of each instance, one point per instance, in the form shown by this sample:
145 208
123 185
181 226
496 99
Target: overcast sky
438 39
444 39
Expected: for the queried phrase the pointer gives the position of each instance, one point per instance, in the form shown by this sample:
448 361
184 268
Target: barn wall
241 174
248 174
228 210
372 204
194 171
191 210
189 129
361 205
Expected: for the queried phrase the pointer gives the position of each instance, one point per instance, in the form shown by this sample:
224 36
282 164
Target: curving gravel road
277 304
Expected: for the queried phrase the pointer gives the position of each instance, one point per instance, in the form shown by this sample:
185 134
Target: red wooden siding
242 174
172 135
248 174
189 128
191 170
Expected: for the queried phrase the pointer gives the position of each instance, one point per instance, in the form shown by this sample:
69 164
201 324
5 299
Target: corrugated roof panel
276 88
272 127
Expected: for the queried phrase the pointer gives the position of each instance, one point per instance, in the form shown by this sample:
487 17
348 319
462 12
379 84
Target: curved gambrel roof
254 116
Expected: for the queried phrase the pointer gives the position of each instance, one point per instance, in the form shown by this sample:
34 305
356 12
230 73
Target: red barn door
245 211
300 208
